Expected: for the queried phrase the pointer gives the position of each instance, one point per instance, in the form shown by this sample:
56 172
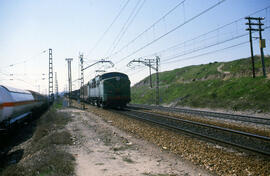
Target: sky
179 32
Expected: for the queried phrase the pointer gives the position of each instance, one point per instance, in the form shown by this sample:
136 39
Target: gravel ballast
215 158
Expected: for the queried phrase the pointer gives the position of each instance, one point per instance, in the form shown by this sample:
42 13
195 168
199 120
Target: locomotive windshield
112 74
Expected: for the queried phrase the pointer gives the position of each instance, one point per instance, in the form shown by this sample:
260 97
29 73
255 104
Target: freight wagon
17 104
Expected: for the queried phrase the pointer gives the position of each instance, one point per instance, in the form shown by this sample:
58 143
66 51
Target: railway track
247 141
235 117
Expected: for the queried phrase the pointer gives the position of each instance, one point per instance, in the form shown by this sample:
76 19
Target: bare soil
102 149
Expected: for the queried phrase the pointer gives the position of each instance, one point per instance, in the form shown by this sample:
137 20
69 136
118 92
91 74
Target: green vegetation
43 155
215 85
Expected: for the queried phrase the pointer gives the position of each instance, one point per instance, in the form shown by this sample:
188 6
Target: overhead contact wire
151 26
124 26
239 36
179 55
221 27
172 30
136 13
210 52
109 27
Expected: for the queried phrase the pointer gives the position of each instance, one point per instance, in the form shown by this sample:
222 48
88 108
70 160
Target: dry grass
44 153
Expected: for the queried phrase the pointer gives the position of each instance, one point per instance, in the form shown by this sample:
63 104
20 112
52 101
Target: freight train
107 90
17 104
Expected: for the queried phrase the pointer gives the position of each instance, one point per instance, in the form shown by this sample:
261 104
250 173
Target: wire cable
203 54
218 43
124 26
204 34
18 79
131 21
211 45
151 26
109 27
172 30
24 61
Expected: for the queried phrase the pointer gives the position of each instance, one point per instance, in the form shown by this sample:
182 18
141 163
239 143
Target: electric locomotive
108 89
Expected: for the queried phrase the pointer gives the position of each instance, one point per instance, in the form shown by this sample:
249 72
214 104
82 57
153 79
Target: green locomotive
109 89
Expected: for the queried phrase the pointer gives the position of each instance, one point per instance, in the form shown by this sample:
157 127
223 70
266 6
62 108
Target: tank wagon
17 104
109 89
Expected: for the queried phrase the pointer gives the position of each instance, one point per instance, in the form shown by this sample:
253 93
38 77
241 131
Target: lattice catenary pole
51 96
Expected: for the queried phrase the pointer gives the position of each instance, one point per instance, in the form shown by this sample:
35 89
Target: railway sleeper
260 144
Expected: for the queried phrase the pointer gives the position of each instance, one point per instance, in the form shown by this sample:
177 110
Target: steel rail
236 117
248 141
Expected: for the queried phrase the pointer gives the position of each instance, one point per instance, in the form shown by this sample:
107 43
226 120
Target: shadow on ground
15 136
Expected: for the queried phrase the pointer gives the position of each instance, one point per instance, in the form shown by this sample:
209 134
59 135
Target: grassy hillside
226 85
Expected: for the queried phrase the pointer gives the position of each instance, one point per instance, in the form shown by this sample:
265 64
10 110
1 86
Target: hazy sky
30 27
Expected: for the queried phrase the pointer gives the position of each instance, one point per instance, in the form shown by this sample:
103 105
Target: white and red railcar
16 104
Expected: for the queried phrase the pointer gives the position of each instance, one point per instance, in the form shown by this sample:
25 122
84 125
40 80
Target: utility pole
56 85
82 83
150 74
79 71
262 45
69 80
251 46
157 81
150 63
51 96
262 41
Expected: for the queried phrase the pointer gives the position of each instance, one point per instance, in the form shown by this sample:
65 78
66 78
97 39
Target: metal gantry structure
100 61
256 21
69 79
56 85
50 75
152 64
147 62
82 82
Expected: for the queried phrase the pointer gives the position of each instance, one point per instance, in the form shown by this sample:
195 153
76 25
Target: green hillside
227 85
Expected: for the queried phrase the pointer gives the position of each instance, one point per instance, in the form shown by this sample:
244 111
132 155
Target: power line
131 21
109 27
24 61
204 34
211 45
203 54
197 37
211 31
172 30
18 79
124 26
210 52
218 43
151 26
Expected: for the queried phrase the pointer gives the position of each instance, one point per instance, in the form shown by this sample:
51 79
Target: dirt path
101 149
219 69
